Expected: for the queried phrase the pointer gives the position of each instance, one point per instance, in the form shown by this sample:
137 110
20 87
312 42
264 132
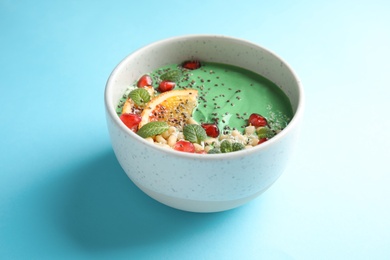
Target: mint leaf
140 96
237 147
153 128
194 133
265 132
172 75
226 146
214 151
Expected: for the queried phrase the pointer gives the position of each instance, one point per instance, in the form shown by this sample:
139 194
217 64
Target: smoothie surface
229 94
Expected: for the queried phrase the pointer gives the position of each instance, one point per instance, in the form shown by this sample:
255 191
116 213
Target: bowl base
199 206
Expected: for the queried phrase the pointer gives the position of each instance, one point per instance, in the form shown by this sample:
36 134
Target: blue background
63 195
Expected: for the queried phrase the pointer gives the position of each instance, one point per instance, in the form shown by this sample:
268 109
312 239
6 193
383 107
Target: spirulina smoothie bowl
203 123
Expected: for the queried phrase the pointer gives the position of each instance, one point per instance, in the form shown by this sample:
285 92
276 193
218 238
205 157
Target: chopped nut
160 139
250 130
198 147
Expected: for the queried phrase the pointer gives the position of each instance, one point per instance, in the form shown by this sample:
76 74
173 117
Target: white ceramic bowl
198 182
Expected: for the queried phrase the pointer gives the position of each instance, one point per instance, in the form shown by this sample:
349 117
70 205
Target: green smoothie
229 94
232 108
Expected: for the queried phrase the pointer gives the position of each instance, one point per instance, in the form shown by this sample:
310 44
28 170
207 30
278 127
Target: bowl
199 182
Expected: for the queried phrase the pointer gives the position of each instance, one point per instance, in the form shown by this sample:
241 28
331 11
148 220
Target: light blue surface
64 196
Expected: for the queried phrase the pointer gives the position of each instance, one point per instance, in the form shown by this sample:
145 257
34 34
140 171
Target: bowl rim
111 112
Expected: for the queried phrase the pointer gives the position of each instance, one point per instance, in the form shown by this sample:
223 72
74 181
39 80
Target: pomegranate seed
144 81
166 86
131 121
262 140
184 146
257 120
191 64
211 129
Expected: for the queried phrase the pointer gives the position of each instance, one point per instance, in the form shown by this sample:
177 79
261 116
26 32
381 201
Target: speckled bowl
198 182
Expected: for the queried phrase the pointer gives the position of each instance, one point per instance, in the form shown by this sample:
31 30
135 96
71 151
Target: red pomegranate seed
257 120
262 140
131 121
211 129
191 64
144 81
184 146
166 86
